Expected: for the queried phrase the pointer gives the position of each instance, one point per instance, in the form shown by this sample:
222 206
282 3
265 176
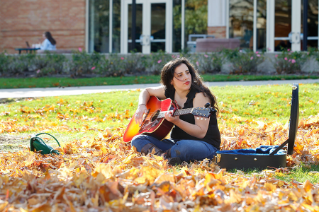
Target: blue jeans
186 150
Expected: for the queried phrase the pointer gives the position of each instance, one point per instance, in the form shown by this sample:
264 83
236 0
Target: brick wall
27 20
219 32
1 42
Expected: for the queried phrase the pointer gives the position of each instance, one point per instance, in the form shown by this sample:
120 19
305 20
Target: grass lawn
69 82
69 118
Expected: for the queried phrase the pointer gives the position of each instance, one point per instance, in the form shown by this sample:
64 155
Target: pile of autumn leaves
106 173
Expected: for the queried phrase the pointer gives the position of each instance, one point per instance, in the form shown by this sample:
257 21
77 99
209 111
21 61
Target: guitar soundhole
154 117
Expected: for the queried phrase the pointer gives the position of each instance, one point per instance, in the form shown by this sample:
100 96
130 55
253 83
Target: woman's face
43 35
182 78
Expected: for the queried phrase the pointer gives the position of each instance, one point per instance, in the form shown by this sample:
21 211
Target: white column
146 49
183 24
169 26
92 28
124 27
111 26
87 25
295 24
216 13
255 27
270 27
227 17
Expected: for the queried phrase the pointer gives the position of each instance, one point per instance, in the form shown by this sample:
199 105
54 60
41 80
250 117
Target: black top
212 136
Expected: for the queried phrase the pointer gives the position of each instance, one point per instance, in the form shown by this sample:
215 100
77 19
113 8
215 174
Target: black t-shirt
212 136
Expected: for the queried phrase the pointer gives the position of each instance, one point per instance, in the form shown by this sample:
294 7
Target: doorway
153 31
288 24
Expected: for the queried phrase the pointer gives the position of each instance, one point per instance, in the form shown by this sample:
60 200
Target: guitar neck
177 112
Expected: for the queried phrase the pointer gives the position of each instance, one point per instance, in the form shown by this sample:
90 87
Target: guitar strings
151 114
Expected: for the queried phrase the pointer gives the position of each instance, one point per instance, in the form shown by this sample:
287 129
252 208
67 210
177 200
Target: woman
191 139
49 42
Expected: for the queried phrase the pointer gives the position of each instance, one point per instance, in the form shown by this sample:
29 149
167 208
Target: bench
216 44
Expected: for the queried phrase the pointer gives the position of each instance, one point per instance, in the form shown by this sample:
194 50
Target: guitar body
157 127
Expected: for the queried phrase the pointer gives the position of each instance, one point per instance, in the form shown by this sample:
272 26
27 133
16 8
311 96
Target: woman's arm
145 95
199 129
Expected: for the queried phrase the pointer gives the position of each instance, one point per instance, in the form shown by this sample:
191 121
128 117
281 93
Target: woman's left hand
169 117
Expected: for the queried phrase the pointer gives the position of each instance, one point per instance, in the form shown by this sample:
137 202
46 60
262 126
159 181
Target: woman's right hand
139 114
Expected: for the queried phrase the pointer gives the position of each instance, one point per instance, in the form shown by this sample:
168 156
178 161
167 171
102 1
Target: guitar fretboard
177 112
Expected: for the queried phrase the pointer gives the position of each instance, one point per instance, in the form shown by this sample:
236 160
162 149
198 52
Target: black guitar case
264 157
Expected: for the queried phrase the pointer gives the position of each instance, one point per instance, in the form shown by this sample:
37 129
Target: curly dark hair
50 38
167 75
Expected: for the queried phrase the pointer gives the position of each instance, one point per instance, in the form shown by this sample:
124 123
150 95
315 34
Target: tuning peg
207 105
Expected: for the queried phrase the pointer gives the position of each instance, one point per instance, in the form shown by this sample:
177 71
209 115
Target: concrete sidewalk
41 92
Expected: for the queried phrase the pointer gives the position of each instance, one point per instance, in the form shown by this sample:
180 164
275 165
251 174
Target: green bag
37 144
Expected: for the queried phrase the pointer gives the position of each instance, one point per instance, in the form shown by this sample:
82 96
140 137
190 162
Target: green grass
70 82
266 102
300 173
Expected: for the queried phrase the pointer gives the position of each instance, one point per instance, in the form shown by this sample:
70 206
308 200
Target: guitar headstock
202 112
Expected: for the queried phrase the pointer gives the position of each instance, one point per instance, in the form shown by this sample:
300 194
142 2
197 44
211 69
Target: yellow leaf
129 159
95 200
307 185
233 197
270 187
165 177
72 209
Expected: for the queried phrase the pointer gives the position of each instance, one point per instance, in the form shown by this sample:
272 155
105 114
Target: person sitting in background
48 43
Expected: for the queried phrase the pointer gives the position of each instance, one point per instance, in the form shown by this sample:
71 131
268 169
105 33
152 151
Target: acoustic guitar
154 122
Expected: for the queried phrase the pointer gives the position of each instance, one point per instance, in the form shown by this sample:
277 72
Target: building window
312 23
241 16
241 23
282 24
138 27
261 25
99 26
177 25
116 27
195 18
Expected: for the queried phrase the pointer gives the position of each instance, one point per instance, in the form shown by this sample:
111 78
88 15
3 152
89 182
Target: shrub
132 64
110 65
19 65
244 62
103 68
83 63
55 62
38 62
289 62
4 62
46 71
208 62
154 62
96 64
116 65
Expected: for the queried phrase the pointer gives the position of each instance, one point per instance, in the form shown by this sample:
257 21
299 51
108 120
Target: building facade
161 25
24 21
